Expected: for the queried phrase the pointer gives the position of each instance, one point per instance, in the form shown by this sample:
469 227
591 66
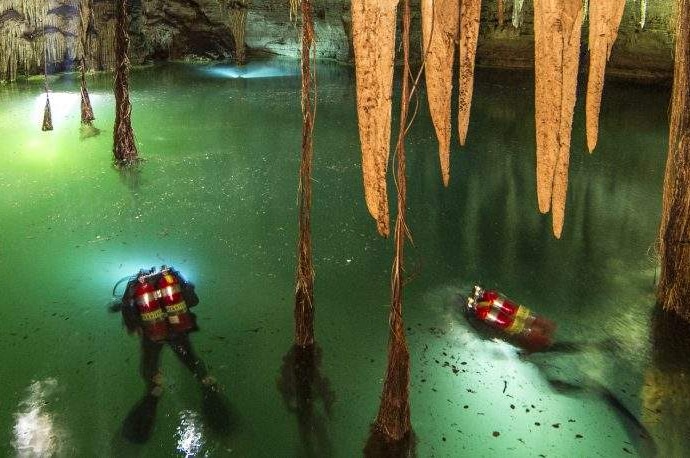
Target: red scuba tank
532 331
152 316
170 292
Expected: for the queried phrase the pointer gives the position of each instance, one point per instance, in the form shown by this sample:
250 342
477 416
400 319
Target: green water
217 198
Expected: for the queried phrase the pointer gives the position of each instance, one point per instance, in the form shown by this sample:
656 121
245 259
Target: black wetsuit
178 342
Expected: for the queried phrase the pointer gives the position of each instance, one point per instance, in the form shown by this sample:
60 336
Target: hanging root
124 148
47 117
237 12
304 289
393 419
294 4
673 292
87 116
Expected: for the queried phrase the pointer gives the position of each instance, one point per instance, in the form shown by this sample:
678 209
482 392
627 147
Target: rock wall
644 48
181 29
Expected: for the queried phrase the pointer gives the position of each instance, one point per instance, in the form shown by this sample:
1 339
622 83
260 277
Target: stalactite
393 419
373 34
500 13
557 31
85 18
604 19
304 290
643 13
673 291
470 11
440 22
294 4
573 15
518 15
237 12
87 116
13 48
34 11
32 30
21 46
103 49
47 116
124 148
56 45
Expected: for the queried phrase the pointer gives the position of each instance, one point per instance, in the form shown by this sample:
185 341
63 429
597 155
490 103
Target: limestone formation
373 33
470 11
440 21
604 18
557 32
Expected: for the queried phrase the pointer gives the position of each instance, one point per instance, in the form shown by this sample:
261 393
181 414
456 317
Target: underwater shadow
303 388
216 412
379 446
131 175
139 422
666 391
582 385
640 438
87 131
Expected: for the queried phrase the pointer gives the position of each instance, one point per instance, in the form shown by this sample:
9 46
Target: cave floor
216 197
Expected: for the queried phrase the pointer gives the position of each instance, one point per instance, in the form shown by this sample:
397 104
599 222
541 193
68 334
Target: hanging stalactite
557 32
470 11
13 48
604 20
57 44
373 35
30 29
47 116
85 26
237 12
393 419
518 15
440 22
304 290
294 5
23 44
124 148
105 24
673 292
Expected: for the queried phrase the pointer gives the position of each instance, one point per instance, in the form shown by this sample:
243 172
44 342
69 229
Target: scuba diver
155 306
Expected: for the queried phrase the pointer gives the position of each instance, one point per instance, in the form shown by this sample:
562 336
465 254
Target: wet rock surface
192 29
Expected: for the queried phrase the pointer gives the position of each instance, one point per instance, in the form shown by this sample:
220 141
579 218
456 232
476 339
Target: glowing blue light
253 70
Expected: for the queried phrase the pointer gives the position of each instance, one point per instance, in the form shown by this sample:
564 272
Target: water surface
217 198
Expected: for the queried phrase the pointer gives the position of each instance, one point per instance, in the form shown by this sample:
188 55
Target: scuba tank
515 321
158 302
150 313
171 297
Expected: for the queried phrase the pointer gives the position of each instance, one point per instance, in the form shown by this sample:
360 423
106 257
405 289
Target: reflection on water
36 431
666 390
190 434
308 395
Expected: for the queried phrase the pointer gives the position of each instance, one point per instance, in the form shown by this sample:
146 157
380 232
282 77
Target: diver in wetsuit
155 306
